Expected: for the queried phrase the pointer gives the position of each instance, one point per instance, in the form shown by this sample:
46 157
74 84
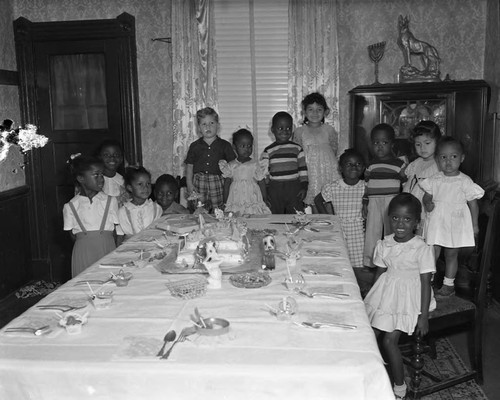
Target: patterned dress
245 196
450 223
347 204
319 146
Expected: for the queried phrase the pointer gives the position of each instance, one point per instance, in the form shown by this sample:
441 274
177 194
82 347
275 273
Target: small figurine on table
212 263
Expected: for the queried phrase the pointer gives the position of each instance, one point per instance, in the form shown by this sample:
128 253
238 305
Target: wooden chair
454 314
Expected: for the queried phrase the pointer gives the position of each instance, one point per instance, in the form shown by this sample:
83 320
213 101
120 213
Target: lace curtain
194 71
313 55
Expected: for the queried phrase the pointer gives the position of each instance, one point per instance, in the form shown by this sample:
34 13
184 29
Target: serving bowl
213 327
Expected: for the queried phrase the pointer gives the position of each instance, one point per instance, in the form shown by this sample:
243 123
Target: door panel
79 85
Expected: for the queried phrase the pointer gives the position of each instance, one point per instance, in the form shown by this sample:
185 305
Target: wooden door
79 88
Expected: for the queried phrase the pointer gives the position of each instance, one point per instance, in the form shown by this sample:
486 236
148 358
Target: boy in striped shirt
383 176
287 168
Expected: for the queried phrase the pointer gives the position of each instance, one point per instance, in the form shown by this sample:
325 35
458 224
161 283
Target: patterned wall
455 27
152 19
11 175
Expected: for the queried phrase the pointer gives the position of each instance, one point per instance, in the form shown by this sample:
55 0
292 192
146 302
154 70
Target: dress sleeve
427 262
426 185
472 191
69 218
191 156
225 168
297 136
261 169
378 254
327 192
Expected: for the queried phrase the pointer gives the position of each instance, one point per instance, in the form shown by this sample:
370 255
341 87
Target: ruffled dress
394 300
417 171
319 147
450 223
245 196
115 186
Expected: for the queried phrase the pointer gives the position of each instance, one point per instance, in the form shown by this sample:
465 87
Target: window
252 65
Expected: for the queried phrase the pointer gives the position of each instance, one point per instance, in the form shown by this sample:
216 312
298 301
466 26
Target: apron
91 246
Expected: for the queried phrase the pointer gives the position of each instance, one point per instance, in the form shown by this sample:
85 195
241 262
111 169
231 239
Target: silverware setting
322 253
60 307
93 281
318 325
320 294
181 338
36 331
313 272
169 337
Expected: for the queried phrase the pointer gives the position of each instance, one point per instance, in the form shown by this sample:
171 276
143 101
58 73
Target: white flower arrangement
26 138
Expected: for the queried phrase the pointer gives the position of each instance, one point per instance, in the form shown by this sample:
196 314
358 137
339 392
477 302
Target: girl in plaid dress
345 196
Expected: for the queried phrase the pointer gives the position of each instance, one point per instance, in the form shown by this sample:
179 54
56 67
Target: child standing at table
203 175
383 176
319 141
451 199
91 215
424 136
346 197
287 168
244 186
110 152
138 213
400 299
166 191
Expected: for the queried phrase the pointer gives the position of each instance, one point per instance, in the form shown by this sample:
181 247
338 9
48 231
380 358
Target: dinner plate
250 280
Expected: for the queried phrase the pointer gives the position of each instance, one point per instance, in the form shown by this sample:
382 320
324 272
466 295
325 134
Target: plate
250 280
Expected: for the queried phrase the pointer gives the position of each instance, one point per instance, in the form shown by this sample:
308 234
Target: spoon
35 331
169 337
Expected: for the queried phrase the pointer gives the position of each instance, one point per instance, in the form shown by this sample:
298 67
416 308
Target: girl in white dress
138 213
425 136
244 186
110 152
451 199
91 215
400 299
319 141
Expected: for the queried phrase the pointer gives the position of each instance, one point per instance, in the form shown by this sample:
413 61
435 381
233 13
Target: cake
225 240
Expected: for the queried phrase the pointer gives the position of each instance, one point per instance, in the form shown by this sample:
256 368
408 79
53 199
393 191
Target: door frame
26 33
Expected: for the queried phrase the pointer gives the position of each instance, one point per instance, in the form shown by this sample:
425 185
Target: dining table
298 331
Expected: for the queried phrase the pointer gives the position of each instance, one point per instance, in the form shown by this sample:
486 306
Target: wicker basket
188 288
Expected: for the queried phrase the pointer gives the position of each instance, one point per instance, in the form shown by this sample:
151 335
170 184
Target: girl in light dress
138 213
319 141
91 215
451 199
110 152
425 136
244 186
401 299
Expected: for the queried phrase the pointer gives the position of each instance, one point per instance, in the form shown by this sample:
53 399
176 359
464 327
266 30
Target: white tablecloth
260 358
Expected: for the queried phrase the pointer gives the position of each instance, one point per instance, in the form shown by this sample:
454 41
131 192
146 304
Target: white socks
400 390
449 281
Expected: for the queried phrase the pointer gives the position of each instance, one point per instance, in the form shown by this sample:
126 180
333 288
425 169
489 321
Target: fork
60 307
181 338
313 272
317 325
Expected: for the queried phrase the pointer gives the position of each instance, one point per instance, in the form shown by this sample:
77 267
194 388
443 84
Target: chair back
491 211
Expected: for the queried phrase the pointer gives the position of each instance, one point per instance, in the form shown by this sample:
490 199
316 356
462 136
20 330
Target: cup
286 308
294 282
102 300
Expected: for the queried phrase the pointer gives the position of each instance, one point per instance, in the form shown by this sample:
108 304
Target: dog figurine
410 45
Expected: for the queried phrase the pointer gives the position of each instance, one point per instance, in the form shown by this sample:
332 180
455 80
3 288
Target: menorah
376 53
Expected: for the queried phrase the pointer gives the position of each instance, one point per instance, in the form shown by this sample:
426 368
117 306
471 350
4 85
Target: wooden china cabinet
458 107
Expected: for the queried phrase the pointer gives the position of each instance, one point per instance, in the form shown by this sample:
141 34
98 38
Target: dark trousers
283 197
